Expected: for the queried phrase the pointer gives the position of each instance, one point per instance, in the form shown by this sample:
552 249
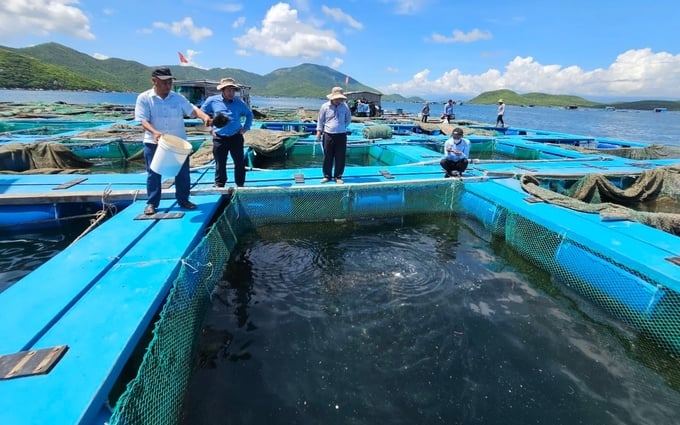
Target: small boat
660 109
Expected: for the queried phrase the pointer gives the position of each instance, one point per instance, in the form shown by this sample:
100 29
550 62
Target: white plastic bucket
170 155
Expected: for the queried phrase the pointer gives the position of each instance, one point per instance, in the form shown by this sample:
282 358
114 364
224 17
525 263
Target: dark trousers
334 151
153 179
451 166
424 118
231 145
499 121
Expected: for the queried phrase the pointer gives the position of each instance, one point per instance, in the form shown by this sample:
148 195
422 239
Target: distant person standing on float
448 111
331 131
501 112
425 112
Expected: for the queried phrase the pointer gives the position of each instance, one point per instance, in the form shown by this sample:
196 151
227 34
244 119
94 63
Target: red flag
182 59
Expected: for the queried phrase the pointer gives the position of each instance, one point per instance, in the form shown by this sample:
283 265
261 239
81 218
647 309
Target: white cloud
230 7
407 7
239 22
44 18
340 16
337 63
634 73
283 34
100 56
185 27
461 37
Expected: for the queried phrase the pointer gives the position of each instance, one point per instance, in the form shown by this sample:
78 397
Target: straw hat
227 82
500 100
336 93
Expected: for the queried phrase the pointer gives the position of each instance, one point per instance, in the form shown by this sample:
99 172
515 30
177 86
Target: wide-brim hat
500 100
336 93
227 82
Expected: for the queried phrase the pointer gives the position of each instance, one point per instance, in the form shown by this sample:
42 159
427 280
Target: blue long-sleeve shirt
450 146
334 119
235 109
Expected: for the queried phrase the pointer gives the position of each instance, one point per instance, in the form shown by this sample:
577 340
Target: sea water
420 320
631 125
23 252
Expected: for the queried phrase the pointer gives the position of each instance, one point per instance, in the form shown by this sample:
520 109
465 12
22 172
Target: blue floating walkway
97 297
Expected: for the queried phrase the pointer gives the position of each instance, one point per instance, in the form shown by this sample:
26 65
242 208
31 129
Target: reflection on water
415 321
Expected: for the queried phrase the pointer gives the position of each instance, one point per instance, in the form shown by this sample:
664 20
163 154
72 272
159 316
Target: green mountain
54 66
532 99
121 74
543 99
25 72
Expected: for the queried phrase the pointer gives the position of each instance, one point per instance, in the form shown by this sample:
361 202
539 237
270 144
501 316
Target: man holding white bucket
161 111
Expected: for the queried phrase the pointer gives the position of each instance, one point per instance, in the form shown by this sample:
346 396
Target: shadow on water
425 319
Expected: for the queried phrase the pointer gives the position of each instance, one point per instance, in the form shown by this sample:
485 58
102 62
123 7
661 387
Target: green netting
346 202
380 131
155 396
40 158
647 305
596 193
653 151
641 302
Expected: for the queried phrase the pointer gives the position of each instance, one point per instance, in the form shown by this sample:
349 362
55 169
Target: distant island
52 66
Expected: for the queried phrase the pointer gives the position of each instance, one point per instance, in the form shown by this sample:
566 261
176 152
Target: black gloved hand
220 120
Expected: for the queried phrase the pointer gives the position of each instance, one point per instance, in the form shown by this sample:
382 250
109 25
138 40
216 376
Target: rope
100 215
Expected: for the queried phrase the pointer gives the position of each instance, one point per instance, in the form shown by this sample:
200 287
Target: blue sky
435 49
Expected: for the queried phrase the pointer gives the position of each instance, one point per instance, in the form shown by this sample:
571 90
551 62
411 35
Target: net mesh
653 151
645 304
155 395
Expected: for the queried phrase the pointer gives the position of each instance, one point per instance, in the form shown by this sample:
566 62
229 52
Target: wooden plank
160 216
31 362
69 183
386 174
